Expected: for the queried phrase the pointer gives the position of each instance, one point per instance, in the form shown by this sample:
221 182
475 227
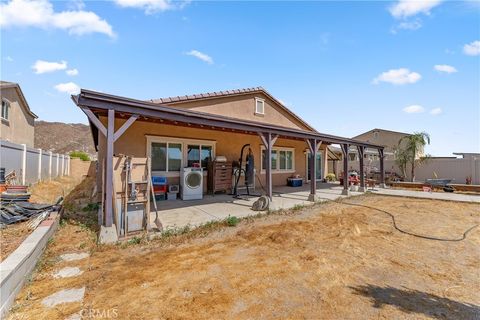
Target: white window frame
263 104
184 142
277 169
7 102
323 154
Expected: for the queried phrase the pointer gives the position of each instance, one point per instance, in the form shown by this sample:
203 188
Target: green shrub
232 221
80 155
330 177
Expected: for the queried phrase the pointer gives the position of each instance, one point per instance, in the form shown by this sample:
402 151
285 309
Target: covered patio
98 105
179 214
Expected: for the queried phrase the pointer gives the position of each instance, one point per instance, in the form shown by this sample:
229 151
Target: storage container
295 182
172 195
159 181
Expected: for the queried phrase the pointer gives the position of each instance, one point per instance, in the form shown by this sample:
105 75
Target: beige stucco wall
389 139
20 125
243 107
134 143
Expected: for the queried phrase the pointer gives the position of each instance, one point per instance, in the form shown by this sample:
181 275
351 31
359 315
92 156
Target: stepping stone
68 272
74 256
64 296
75 316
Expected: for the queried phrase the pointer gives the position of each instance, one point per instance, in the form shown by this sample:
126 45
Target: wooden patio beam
124 127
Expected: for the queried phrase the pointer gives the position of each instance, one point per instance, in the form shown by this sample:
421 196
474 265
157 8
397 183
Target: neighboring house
17 120
387 138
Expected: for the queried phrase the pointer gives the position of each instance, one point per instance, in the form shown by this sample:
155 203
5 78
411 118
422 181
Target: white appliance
191 183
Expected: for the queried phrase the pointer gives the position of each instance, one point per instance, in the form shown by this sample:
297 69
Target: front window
166 156
171 154
5 109
282 159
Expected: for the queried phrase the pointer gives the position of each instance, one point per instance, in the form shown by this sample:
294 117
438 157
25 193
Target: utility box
135 214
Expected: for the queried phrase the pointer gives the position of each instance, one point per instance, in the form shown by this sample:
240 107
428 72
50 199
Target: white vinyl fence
32 165
457 169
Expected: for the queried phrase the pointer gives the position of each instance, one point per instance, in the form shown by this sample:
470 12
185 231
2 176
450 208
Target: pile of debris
15 206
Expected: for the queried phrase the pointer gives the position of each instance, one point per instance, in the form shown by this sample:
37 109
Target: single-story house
182 131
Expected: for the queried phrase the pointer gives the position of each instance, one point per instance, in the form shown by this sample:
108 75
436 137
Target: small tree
409 147
402 158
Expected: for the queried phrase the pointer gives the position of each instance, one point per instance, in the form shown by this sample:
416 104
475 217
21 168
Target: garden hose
464 236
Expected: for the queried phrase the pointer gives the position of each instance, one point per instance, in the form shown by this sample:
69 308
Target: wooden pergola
95 104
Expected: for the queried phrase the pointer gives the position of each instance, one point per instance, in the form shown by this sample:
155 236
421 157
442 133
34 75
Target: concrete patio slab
178 214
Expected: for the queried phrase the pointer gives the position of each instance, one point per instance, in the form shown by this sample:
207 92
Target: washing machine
191 183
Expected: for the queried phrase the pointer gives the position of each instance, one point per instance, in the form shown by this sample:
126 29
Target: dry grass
44 192
329 262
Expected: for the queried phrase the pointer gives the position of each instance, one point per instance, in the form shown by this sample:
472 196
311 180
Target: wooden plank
345 165
362 169
269 166
124 127
95 121
313 164
109 170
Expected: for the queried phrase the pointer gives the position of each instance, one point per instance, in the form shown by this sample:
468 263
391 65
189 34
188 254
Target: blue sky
345 67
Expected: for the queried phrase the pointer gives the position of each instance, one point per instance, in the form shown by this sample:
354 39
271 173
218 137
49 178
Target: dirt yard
44 192
332 261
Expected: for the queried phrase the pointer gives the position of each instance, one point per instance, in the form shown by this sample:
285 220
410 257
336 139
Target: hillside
63 137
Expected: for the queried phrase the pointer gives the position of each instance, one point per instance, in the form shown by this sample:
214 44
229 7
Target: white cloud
9 59
42 66
69 87
40 14
72 72
200 55
407 25
436 111
398 76
472 49
445 68
415 108
152 6
407 8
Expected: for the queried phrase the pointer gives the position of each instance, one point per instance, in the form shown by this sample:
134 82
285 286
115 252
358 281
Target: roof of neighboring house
229 93
7 84
381 130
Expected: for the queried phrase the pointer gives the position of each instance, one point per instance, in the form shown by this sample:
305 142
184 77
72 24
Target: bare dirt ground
44 192
332 261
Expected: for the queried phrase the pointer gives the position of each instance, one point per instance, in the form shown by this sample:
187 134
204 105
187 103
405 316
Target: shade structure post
361 153
268 140
345 148
109 170
313 145
382 167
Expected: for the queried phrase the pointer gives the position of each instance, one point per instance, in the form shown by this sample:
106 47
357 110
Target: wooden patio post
268 141
361 153
313 145
382 167
109 169
345 190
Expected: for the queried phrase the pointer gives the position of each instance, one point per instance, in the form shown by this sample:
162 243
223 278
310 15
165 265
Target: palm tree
412 145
